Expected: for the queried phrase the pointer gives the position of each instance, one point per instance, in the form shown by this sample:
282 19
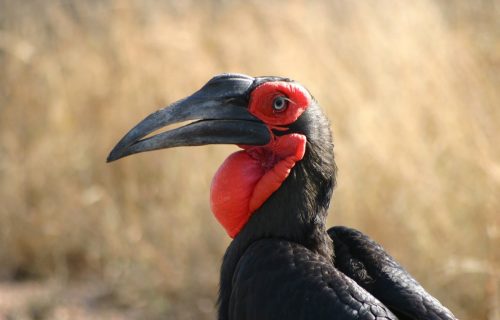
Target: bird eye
280 103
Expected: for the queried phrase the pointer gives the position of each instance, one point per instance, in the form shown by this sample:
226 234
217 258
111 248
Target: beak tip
114 155
111 158
121 149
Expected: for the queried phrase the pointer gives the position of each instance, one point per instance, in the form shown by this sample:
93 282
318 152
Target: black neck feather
297 210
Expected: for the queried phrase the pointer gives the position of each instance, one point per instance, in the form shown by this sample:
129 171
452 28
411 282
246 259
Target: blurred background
412 89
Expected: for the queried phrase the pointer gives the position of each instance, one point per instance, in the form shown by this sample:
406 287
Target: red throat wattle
247 178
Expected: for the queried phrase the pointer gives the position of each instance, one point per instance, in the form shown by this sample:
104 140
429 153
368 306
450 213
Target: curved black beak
220 107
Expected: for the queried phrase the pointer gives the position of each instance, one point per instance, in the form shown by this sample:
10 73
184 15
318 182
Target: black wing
366 262
276 279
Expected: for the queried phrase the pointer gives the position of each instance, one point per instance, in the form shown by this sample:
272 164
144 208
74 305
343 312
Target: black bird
272 198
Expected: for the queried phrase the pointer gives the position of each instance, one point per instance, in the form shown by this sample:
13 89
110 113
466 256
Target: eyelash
279 104
284 102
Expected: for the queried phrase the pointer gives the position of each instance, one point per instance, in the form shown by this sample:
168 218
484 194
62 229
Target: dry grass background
412 89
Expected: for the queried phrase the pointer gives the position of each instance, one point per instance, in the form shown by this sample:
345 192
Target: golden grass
411 88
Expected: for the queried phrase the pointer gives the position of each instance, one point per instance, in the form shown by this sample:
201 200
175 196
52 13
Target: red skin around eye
249 177
262 98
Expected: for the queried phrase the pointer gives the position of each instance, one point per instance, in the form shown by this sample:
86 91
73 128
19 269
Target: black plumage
284 264
367 263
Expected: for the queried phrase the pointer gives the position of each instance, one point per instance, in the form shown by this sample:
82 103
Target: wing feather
277 279
366 262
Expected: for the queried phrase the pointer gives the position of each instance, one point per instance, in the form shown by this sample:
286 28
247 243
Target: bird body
272 198
370 266
280 279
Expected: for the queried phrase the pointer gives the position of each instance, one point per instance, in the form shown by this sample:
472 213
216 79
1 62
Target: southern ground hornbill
272 198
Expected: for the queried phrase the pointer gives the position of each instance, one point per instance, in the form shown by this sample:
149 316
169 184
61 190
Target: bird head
282 178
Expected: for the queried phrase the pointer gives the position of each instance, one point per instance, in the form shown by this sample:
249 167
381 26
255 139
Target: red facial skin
247 178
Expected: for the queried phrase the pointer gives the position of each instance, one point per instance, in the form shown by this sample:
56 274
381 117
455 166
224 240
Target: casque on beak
221 116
